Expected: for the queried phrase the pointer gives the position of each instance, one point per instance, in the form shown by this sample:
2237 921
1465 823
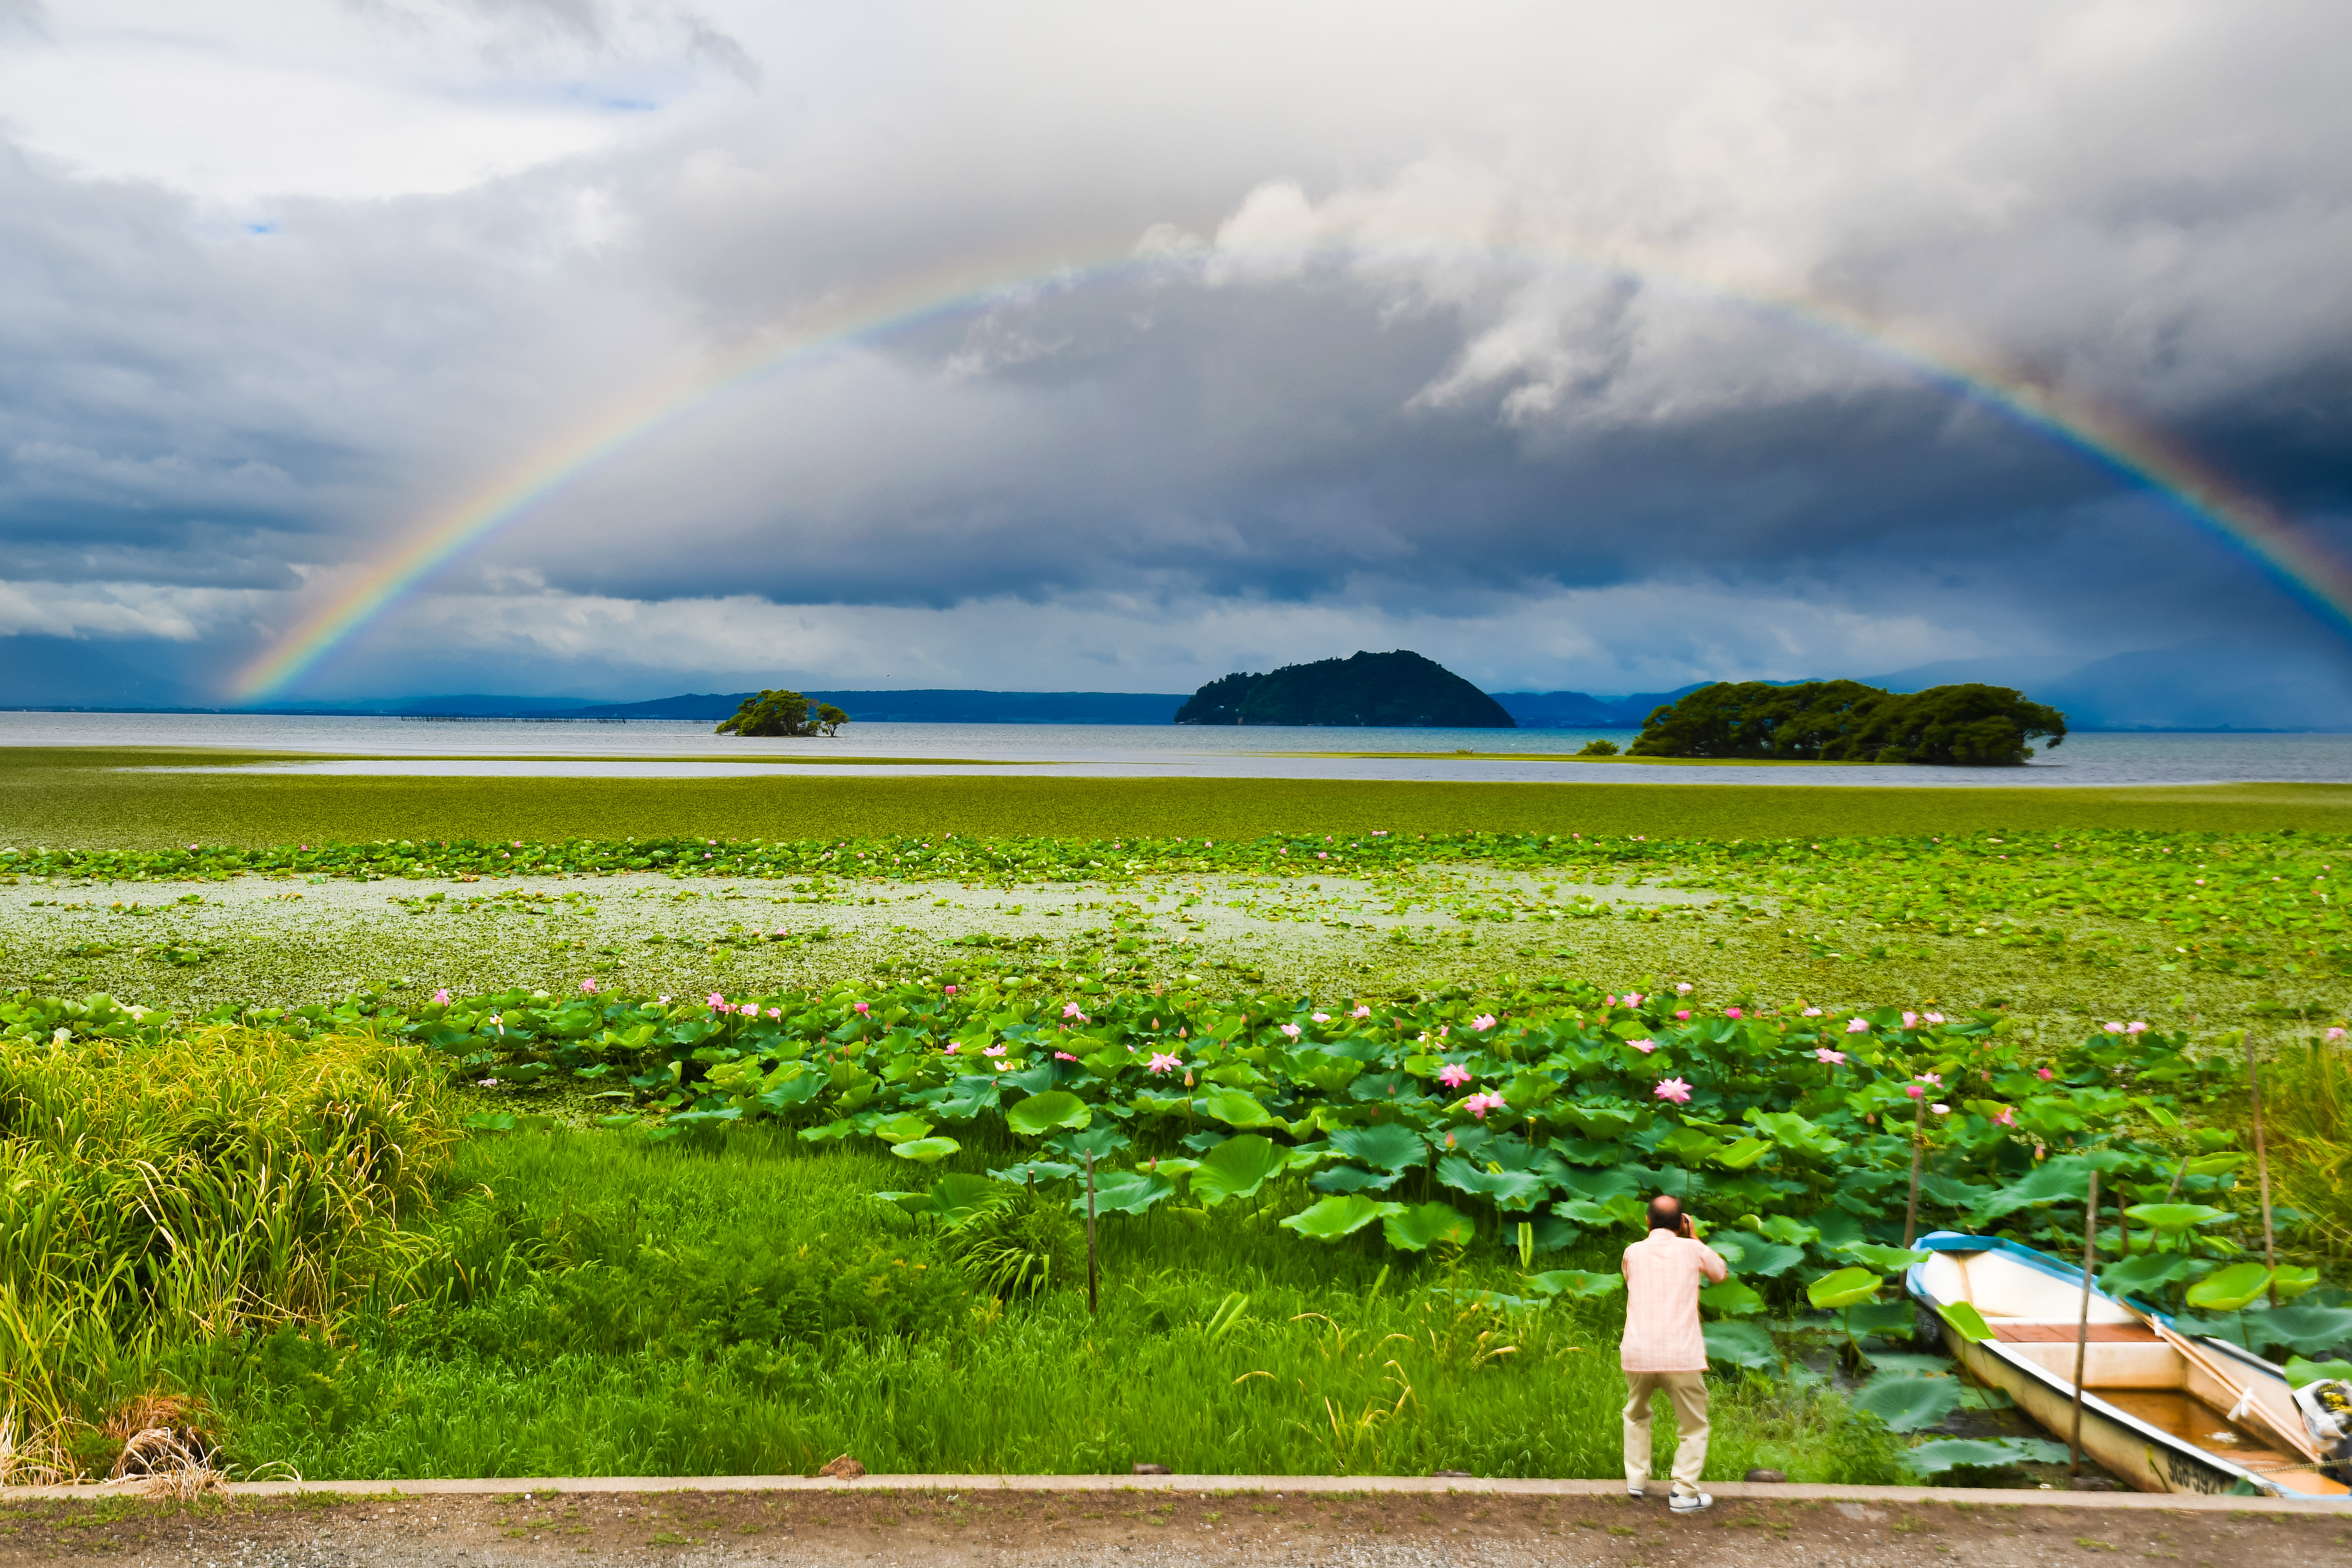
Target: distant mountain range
2206 685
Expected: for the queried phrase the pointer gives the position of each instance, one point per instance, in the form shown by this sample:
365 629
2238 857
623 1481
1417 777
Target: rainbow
2133 452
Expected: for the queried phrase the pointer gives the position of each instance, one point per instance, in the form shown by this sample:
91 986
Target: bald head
1666 1214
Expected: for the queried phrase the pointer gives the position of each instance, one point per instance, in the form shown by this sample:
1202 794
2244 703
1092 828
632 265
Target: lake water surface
677 749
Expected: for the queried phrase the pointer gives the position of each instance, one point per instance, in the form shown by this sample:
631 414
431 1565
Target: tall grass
2308 1100
641 1323
219 1183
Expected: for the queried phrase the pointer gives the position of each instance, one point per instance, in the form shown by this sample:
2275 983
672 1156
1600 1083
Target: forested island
1846 721
1389 690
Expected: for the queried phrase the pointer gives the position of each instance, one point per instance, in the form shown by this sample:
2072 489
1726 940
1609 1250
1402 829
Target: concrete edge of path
1970 1497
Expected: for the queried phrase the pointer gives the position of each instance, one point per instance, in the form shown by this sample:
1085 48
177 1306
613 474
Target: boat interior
2128 1365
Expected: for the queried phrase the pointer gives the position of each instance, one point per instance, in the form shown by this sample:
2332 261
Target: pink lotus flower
1483 1021
2136 1028
1291 1030
718 1001
750 1009
994 1050
1367 1012
1675 1090
1609 1000
1823 1054
2007 1117
1165 1061
1910 1020
1063 1056
1684 1014
1811 1013
1914 1092
775 1012
1321 1017
2045 1073
663 998
1941 1110
1933 1017
497 1022
442 996
1454 1075
1632 998
1644 1047
2113 1028
2334 1035
1731 1013
1479 1104
951 1047
1856 1026
1683 989
589 986
857 1006
1070 1010
952 990
1935 1078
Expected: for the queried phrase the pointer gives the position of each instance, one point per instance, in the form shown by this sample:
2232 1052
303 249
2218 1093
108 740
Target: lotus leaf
951 1200
2148 1272
1619 1210
2216 1164
708 1118
1983 1453
1236 1168
1126 1192
1384 1146
1740 1155
1056 1110
1846 1288
2177 1217
1578 1284
1100 1141
2307 1327
2230 1288
896 1129
1966 1322
1906 1403
1791 1131
1032 1171
1887 1318
1764 1259
1336 1217
2300 1371
2056 1180
1353 1179
1730 1297
1424 1225
1511 1189
929 1150
2292 1279
1741 1344
1234 1108
1787 1231
1889 1258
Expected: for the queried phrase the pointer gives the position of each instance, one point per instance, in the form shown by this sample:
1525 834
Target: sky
1072 346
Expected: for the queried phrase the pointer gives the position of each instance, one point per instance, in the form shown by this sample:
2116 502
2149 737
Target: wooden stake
1094 1299
2083 1326
1918 1145
2261 1167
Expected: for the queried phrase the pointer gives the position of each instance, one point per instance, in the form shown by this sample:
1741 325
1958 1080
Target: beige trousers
1688 1391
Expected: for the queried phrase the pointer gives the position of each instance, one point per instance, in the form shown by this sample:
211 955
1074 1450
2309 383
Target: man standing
1664 1348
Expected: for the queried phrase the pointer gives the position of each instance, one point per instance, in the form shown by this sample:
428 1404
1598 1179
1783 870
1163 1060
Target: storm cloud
1121 347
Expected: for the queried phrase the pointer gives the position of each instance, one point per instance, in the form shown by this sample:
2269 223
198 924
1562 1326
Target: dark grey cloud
1433 337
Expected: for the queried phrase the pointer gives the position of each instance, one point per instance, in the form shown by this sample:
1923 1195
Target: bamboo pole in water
1094 1301
2083 1326
1918 1144
2262 1165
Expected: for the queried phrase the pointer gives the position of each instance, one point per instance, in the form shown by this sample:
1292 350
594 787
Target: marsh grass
2308 1100
210 1186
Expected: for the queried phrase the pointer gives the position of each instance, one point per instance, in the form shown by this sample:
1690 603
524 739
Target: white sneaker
1634 1488
1690 1502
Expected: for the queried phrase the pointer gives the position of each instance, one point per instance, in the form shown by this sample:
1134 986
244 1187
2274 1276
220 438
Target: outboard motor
2326 1410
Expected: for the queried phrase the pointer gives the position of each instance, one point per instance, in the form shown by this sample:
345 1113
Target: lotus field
727 1223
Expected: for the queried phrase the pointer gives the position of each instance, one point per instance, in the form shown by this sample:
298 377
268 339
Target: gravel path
1141 1529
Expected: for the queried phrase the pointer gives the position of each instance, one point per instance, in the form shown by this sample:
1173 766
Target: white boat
2154 1415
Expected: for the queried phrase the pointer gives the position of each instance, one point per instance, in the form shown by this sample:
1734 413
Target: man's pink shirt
1663 1275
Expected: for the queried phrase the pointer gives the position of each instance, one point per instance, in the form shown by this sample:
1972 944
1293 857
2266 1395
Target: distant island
1846 721
1385 690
